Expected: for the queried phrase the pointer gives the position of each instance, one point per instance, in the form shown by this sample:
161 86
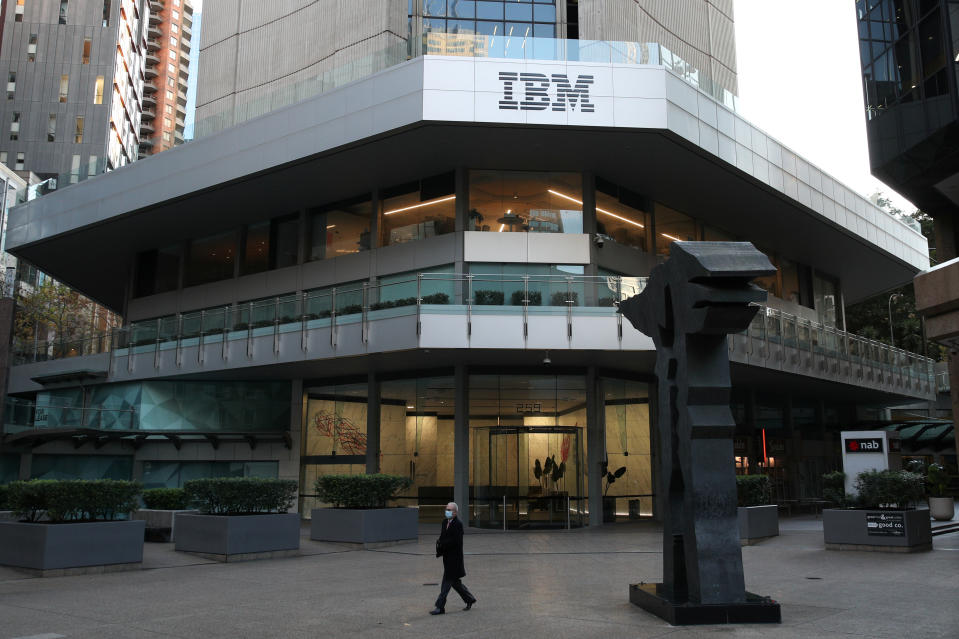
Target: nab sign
539 92
868 445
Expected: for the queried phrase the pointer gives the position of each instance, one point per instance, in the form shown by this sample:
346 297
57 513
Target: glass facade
173 474
9 468
211 258
526 18
513 201
81 467
626 411
495 284
340 229
621 216
418 210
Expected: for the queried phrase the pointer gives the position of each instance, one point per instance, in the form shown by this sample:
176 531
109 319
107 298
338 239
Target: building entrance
528 477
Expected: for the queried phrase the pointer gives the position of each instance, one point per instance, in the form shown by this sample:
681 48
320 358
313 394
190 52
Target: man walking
450 547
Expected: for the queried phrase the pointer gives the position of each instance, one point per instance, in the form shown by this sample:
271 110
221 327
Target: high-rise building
404 248
74 73
167 73
909 51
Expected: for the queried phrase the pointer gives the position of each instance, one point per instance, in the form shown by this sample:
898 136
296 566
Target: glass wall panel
9 468
256 251
504 201
340 229
418 210
211 259
401 289
348 297
527 435
173 474
548 284
672 226
416 440
213 406
826 293
790 281
285 240
620 222
168 268
81 467
626 411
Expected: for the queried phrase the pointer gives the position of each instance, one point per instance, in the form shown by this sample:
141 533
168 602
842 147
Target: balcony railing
775 339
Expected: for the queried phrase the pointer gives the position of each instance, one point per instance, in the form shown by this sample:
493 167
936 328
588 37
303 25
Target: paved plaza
548 585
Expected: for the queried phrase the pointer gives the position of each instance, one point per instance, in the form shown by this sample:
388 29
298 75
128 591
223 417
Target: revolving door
528 477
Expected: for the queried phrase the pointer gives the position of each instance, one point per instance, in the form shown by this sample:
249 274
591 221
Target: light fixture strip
618 217
421 204
671 237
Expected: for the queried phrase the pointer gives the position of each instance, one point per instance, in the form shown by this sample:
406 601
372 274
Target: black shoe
469 604
437 611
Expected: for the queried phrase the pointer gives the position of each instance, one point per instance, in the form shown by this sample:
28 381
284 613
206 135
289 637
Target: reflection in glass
672 226
620 222
512 201
340 229
256 252
211 259
410 216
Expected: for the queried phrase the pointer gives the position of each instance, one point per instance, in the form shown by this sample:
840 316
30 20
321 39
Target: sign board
886 524
863 445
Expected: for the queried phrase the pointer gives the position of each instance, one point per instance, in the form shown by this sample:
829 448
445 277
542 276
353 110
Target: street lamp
892 337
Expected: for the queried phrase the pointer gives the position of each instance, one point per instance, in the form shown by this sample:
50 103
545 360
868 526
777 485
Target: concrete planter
757 523
161 524
239 537
7 515
95 546
879 530
942 508
373 526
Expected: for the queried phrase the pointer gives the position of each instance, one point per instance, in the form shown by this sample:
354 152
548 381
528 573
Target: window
87 43
11 85
64 87
63 12
15 126
3 157
158 271
672 226
106 13
98 90
92 165
256 248
167 123
340 229
21 159
418 210
75 169
518 201
173 41
176 15
271 244
168 108
620 215
171 54
18 12
78 135
174 28
171 68
32 48
170 82
211 258
169 95
52 128
166 136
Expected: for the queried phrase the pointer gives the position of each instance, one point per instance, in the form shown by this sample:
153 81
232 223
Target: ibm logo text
540 92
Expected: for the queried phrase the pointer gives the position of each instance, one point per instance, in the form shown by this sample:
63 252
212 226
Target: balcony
147 114
154 32
181 98
152 58
145 143
150 72
149 100
146 129
150 87
185 29
184 71
156 6
184 57
435 311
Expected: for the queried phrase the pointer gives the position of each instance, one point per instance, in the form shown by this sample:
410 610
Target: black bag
439 548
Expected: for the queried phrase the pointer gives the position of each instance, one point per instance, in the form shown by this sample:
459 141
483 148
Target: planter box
160 523
942 508
882 530
757 523
7 515
373 526
54 547
239 537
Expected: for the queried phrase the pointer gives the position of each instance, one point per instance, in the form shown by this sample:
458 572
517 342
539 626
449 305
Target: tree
871 318
53 313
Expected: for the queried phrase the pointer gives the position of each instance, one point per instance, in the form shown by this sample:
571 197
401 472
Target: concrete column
461 442
372 423
289 468
954 390
595 447
26 463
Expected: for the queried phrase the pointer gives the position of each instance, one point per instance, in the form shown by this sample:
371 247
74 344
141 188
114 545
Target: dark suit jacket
450 546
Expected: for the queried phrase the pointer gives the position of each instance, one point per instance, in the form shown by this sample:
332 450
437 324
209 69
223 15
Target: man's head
453 508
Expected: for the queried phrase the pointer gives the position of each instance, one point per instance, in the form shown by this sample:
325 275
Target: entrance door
528 477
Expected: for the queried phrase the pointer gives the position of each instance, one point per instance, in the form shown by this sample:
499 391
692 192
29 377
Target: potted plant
359 513
609 503
941 506
161 507
882 516
72 525
240 518
758 518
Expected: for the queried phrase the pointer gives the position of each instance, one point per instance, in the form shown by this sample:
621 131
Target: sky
800 81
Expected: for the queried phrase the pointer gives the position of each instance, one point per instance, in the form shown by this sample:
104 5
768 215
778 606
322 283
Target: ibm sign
539 92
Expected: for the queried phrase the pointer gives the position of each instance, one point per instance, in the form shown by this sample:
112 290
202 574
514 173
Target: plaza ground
549 585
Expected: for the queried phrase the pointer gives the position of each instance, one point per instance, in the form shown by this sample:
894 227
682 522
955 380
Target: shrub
488 298
165 498
360 491
834 488
559 298
938 480
73 499
889 488
535 298
753 490
350 309
240 495
436 298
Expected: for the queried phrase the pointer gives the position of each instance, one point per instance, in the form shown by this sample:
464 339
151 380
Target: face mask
449 514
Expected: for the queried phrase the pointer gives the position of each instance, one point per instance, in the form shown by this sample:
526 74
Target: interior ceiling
656 164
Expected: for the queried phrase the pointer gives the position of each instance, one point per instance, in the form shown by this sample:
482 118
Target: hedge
240 495
834 488
73 499
753 490
165 498
889 488
360 491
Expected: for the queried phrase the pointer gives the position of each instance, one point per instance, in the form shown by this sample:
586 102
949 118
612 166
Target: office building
416 271
166 75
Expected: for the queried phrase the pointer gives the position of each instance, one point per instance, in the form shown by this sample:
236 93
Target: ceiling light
671 237
331 226
501 227
416 206
618 217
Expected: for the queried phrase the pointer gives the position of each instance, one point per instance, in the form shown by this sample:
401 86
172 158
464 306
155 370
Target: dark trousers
457 585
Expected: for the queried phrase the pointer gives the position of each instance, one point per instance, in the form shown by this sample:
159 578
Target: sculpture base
755 609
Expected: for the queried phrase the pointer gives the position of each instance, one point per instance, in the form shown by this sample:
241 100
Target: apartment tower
166 75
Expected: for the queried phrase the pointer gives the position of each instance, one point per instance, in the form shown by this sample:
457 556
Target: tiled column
372 423
461 442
